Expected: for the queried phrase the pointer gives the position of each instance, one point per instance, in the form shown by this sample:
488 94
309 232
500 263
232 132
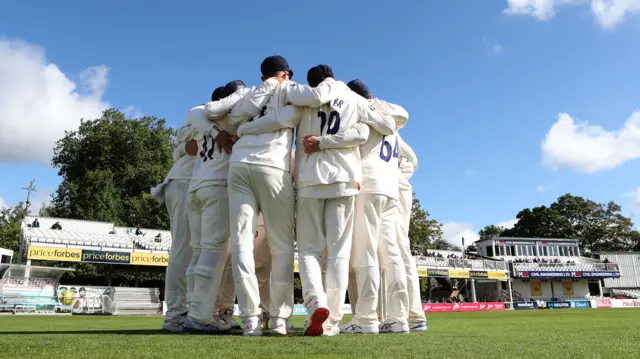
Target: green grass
613 333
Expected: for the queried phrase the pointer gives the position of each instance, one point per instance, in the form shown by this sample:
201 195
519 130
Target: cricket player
173 192
209 217
408 164
375 244
260 180
328 176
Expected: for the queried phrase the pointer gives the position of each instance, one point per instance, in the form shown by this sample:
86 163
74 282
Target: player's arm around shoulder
353 137
368 113
217 109
399 114
409 156
254 100
304 95
287 117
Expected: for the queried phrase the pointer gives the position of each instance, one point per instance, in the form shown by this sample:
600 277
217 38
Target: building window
489 251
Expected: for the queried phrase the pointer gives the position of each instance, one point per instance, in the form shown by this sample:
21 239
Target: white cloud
453 232
508 224
635 201
2 202
540 188
492 46
590 148
38 102
608 13
132 112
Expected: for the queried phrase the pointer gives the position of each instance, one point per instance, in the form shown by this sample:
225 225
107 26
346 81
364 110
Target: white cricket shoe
316 317
279 326
176 324
227 317
360 329
418 326
342 327
330 330
196 327
251 327
394 328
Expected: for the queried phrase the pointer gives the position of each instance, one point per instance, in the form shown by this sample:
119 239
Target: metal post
473 291
600 287
510 291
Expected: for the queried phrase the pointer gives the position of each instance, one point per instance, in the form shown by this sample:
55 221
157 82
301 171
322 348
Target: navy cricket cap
217 93
360 87
319 73
232 87
273 64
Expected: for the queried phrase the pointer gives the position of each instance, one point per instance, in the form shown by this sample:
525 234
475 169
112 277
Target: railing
602 267
473 264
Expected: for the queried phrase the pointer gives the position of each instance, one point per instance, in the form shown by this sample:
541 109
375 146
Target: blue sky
512 103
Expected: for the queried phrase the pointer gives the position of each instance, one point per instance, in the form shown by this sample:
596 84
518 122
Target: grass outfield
613 333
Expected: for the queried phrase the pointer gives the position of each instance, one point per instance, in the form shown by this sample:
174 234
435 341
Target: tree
108 166
423 231
490 231
443 245
598 226
10 219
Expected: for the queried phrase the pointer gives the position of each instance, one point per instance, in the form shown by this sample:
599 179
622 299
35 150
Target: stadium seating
93 235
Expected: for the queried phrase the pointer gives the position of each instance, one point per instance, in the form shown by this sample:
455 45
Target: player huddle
343 198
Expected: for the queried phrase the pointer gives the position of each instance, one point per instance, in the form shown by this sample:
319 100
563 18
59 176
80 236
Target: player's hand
311 144
191 148
225 142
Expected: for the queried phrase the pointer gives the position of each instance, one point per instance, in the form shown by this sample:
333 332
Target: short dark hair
217 94
319 73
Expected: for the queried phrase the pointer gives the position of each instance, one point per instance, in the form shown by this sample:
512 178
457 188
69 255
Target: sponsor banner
150 259
97 256
625 303
422 272
563 274
438 273
558 305
458 273
602 303
299 309
517 242
462 307
54 254
478 274
498 275
106 257
525 305
580 304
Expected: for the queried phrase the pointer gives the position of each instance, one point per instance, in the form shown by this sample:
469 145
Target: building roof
523 239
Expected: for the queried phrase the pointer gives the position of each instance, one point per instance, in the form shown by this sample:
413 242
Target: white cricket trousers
375 247
416 314
253 189
175 283
209 224
262 256
325 224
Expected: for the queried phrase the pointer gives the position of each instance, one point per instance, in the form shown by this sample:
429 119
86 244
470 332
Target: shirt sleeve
382 123
399 114
179 152
407 152
303 95
287 117
253 102
216 109
352 137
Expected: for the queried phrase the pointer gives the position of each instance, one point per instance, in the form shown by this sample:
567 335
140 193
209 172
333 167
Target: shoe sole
318 318
416 330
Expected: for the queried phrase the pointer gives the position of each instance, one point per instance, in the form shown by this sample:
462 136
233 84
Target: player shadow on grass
135 332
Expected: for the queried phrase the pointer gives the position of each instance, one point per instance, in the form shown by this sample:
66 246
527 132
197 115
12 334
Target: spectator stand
30 289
